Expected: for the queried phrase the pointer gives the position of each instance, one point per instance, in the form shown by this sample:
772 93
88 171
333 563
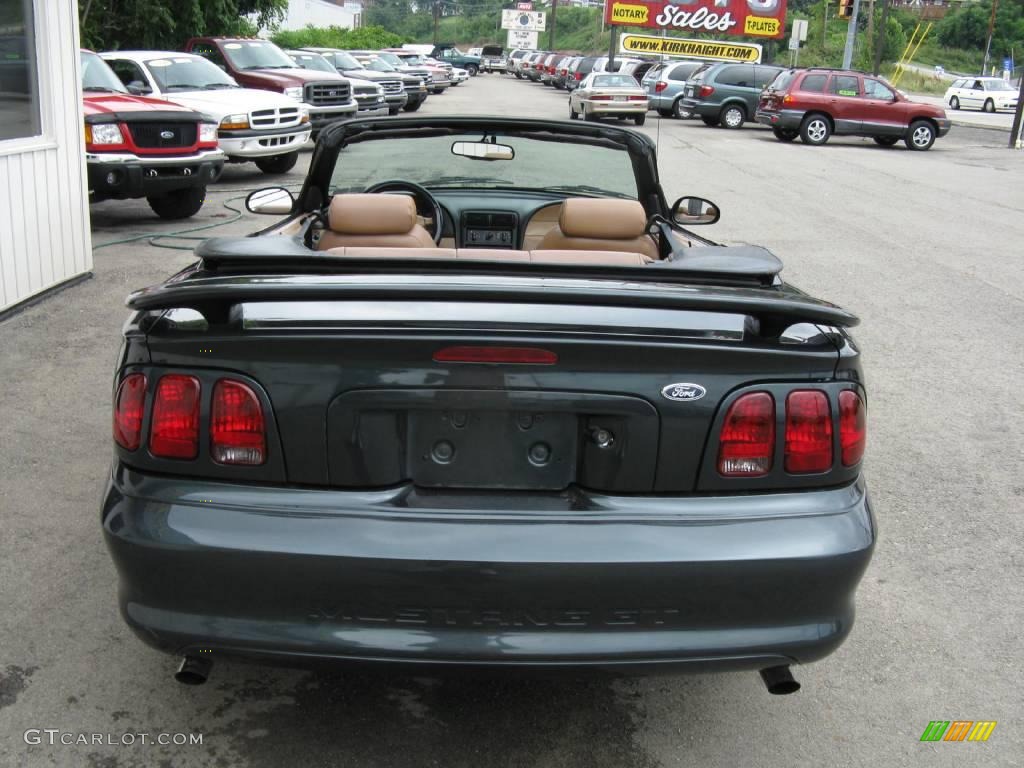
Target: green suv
726 94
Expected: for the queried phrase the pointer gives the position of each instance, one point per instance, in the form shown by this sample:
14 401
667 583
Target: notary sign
712 50
749 18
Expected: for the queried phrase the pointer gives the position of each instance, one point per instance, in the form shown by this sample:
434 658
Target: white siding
44 215
302 13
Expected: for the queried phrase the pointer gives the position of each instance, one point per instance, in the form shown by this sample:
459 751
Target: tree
167 24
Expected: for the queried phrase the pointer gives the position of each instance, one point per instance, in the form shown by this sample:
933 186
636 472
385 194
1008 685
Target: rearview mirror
481 150
689 211
138 88
272 200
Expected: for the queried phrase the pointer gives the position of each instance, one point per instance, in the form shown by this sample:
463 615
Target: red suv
816 103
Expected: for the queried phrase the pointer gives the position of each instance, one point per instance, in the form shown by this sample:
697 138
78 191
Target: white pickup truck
264 127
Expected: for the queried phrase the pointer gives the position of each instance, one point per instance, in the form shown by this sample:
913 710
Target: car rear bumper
252 144
615 107
120 175
573 579
788 119
700 108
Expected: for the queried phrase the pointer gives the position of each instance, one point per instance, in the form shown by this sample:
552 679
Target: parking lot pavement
925 247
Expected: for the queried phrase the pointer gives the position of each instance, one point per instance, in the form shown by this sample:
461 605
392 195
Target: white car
264 127
608 94
459 75
985 93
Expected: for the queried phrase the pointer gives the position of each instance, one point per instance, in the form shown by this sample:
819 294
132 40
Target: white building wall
44 215
302 13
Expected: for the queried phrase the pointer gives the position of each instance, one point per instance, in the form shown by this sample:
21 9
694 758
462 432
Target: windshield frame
640 147
314 56
110 81
231 47
203 64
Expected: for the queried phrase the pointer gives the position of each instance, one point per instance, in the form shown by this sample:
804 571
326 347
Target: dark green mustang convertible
483 398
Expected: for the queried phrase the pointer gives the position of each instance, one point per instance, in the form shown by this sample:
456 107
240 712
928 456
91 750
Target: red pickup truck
141 147
261 64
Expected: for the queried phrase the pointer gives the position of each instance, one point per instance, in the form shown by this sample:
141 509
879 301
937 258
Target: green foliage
371 38
163 24
967 27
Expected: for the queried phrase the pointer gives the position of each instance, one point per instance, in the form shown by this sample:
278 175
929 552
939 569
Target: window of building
19 88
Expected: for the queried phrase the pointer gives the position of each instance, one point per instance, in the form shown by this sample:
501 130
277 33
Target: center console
488 229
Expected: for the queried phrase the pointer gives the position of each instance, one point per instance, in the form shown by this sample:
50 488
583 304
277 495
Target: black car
550 427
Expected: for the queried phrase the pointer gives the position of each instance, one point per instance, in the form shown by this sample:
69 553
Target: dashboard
489 219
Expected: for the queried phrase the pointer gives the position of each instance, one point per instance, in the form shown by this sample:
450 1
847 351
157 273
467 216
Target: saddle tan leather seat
587 224
382 221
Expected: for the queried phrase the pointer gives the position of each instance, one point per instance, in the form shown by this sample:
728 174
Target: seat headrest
605 219
360 214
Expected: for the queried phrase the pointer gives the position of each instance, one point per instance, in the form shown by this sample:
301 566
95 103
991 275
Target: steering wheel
422 198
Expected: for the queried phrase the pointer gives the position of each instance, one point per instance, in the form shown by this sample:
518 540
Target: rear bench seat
610 258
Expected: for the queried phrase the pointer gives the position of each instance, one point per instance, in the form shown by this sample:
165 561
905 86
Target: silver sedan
605 94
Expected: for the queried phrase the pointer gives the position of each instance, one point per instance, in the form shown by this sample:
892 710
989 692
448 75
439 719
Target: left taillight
129 406
174 433
237 428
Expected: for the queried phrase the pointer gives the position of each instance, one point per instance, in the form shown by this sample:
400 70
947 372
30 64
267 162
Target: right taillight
808 432
852 427
237 429
747 439
129 405
705 91
174 433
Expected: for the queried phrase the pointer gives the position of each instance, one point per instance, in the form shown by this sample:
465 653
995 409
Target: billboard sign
749 18
530 21
712 50
520 38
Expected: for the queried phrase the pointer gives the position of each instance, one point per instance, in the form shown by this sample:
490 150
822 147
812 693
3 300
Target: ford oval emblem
166 134
683 392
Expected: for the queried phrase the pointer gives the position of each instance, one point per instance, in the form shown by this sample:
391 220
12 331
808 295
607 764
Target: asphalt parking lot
925 247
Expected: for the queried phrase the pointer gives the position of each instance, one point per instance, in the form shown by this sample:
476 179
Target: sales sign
751 18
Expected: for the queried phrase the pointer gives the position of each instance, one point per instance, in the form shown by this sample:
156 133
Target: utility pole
991 29
882 37
824 24
437 17
851 36
551 31
1015 131
611 47
869 33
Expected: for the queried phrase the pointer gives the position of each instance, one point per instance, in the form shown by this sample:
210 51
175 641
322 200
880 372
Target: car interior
574 230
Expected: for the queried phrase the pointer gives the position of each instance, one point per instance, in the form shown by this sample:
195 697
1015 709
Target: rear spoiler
776 308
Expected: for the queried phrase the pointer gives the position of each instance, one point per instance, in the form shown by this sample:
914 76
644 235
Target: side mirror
276 201
689 211
138 88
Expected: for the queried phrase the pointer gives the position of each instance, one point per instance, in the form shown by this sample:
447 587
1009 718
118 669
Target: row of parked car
810 104
162 124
